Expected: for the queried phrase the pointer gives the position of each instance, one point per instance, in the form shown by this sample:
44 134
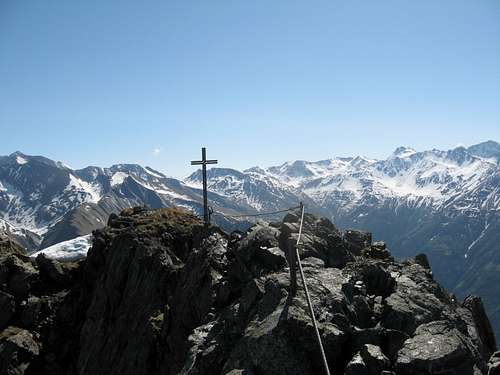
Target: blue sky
256 82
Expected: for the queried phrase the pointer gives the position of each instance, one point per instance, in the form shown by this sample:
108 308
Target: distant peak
404 152
255 170
17 153
359 160
19 157
488 143
488 149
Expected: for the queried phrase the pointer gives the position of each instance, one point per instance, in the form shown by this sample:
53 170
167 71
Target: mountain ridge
445 203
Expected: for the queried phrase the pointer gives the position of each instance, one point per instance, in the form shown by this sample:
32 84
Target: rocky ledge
155 296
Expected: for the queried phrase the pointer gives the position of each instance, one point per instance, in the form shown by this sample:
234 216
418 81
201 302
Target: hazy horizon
224 164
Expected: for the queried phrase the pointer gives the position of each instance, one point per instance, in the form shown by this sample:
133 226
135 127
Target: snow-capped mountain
252 188
43 202
460 180
443 203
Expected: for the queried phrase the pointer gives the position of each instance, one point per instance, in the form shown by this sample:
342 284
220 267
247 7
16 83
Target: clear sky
256 82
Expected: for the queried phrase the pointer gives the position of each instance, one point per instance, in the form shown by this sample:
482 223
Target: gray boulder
436 347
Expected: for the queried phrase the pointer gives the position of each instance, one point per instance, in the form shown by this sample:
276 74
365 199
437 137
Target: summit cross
203 162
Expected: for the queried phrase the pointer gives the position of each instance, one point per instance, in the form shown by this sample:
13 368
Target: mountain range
443 203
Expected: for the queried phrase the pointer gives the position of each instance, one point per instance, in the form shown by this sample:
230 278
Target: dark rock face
156 297
7 308
357 240
482 323
28 304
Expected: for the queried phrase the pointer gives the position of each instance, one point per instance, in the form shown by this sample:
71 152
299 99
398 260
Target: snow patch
481 235
153 173
20 160
164 190
93 191
76 248
118 178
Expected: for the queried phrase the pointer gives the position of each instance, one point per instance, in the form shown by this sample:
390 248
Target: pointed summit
19 157
488 149
403 152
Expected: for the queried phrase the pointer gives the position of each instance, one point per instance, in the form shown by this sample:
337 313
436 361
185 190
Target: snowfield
71 250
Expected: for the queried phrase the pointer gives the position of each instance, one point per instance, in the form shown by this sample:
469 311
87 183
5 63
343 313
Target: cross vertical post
203 162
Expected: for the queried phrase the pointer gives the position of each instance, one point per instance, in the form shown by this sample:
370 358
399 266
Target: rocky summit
155 295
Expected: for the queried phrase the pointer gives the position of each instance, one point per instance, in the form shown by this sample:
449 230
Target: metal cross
203 162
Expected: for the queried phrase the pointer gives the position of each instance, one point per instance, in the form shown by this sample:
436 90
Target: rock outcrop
31 291
156 296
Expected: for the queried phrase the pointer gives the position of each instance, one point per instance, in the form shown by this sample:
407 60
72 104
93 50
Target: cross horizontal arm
201 162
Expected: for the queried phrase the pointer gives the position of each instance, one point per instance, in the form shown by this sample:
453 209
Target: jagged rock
374 358
377 250
416 300
435 348
19 275
17 350
391 341
378 280
272 258
356 366
482 323
423 261
253 291
155 297
261 236
8 246
29 311
369 360
135 283
494 364
381 245
357 240
338 257
52 269
7 309
362 312
320 239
